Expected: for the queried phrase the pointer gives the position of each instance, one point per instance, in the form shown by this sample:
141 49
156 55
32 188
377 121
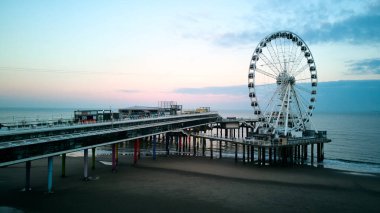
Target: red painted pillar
135 152
138 149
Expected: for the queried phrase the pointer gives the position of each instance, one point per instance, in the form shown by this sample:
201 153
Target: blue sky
122 53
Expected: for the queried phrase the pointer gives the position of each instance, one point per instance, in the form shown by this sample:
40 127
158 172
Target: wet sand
186 184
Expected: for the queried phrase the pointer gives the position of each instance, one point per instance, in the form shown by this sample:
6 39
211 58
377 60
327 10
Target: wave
356 162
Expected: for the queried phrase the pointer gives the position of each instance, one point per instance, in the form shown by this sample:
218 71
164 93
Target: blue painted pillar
154 147
50 174
28 165
85 164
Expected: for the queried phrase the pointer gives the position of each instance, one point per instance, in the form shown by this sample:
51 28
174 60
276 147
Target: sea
355 136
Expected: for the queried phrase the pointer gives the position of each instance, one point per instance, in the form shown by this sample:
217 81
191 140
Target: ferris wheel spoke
273 55
297 61
270 103
269 63
302 69
303 79
293 54
278 53
265 73
299 106
299 87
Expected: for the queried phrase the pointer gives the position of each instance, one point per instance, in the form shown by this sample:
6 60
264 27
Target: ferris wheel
282 82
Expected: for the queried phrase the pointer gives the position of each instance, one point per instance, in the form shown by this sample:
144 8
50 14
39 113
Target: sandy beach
187 184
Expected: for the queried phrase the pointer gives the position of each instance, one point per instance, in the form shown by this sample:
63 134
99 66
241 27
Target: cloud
228 90
364 67
315 22
128 91
356 30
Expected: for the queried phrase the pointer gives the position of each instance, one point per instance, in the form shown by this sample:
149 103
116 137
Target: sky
125 53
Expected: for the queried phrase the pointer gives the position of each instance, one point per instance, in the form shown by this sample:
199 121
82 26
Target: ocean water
355 137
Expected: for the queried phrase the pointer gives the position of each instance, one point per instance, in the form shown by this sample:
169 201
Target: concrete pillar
63 165
194 146
248 155
263 155
312 154
305 152
259 159
50 175
85 164
318 152
270 155
203 147
298 152
220 149
93 158
291 154
243 153
179 138
28 165
117 154
252 154
211 149
236 152
178 145
275 155
189 145
322 151
167 143
154 146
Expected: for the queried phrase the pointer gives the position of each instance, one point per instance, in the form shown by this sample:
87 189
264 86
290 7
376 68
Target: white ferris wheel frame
283 56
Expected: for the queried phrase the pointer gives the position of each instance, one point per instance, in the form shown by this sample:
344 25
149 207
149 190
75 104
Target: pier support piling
252 154
93 158
154 146
194 146
50 175
211 150
243 153
312 154
113 157
28 165
85 165
220 149
135 157
236 152
63 165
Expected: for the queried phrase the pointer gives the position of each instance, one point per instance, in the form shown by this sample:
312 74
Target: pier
192 134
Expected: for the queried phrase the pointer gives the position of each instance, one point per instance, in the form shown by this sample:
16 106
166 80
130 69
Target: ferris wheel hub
285 78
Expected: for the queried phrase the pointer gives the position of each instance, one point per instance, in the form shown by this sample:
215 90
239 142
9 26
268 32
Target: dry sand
186 184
